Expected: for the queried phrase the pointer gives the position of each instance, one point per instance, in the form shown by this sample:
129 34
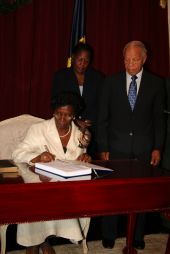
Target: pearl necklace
62 136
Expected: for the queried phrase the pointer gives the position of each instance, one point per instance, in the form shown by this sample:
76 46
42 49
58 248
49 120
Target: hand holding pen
46 156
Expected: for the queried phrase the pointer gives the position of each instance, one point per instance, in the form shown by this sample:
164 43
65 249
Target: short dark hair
71 99
83 47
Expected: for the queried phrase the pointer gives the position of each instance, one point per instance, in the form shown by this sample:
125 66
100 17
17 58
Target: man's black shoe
108 243
139 245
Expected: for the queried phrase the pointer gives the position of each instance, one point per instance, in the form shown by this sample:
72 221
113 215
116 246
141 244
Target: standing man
131 124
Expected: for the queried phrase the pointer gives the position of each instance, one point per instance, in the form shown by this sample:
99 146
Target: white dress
39 135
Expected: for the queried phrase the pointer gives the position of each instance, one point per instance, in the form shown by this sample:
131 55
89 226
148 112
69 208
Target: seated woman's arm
29 148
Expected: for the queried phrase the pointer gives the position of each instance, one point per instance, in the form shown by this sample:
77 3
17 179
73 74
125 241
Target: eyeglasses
59 115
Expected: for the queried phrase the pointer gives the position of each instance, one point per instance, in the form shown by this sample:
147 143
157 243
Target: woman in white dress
64 140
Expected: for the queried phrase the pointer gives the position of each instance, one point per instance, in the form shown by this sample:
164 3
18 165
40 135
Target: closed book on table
7 166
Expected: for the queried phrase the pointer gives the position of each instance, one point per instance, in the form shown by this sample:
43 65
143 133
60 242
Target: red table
117 193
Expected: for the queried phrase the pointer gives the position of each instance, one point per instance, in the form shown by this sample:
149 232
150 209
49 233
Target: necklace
62 136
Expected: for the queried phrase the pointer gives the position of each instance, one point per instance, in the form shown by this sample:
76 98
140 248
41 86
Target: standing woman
85 81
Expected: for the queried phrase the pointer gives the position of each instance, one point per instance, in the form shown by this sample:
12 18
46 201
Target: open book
68 168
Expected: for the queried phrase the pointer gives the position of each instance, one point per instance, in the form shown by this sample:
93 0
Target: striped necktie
132 94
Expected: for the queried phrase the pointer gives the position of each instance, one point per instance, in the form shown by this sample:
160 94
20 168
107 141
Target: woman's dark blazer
122 131
65 80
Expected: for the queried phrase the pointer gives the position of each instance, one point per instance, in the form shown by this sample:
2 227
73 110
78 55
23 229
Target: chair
12 132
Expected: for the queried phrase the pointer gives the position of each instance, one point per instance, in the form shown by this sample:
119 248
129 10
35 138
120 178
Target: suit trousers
110 227
110 223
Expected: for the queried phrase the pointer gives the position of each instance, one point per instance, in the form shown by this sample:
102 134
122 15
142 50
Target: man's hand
155 157
104 156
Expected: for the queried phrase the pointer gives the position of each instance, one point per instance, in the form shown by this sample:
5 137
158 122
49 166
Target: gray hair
135 44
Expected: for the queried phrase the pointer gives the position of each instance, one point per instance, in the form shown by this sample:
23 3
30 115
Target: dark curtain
34 42
112 23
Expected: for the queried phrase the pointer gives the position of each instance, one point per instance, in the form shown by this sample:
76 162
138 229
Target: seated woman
57 138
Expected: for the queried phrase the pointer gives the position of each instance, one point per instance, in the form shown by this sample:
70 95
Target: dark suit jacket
166 158
65 80
122 131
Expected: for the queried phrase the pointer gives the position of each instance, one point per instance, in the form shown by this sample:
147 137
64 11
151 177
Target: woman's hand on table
84 157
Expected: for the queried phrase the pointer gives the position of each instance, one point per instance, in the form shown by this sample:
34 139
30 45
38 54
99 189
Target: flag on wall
77 32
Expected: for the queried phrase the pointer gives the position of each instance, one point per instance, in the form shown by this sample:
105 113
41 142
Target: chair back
13 131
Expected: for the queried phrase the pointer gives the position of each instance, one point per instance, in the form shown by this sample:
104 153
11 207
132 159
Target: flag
77 32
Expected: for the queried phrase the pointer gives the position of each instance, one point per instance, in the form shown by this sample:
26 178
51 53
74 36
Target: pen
46 148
